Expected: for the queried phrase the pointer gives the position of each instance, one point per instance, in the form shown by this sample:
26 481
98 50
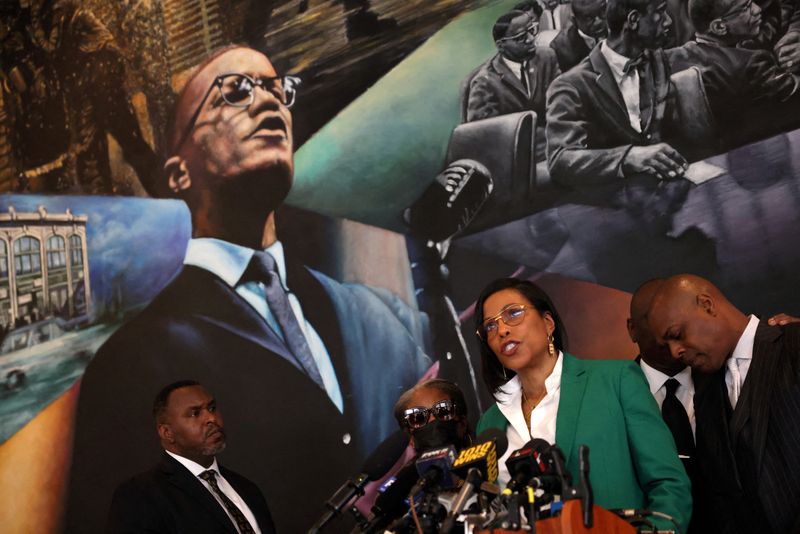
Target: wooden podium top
571 522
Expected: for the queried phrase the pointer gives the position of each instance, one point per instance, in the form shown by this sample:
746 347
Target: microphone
475 464
450 203
434 469
555 459
375 466
585 487
391 503
526 463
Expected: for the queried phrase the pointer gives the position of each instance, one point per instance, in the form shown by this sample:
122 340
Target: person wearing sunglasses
308 366
544 392
517 77
750 94
434 414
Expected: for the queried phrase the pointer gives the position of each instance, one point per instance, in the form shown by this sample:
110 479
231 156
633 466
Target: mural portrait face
519 42
655 25
590 17
228 141
742 19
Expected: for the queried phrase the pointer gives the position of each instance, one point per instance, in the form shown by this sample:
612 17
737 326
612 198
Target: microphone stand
351 488
585 487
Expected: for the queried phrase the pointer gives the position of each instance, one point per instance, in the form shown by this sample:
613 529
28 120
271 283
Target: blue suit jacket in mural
283 431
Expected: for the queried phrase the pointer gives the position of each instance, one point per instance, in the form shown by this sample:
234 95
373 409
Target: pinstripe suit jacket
749 458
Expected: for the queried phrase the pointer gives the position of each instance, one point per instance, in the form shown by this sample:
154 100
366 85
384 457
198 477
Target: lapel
762 378
712 413
573 386
320 312
208 299
608 87
181 478
578 44
508 77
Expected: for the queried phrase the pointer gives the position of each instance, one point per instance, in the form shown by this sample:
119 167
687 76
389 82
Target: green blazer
607 405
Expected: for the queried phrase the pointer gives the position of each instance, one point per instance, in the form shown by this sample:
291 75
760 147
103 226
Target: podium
571 522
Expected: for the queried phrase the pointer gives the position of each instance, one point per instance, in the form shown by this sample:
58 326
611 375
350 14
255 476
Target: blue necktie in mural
263 269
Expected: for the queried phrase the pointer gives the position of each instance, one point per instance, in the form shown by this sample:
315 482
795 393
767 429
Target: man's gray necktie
242 523
263 269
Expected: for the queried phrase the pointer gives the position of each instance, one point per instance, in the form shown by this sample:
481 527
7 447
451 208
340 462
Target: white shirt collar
228 260
193 466
511 393
588 39
515 67
615 60
656 378
744 348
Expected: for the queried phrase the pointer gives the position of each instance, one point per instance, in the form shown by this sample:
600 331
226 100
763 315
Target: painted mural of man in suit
309 367
517 77
746 404
608 117
589 26
188 491
749 93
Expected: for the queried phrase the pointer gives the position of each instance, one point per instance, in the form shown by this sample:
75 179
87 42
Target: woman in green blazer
542 392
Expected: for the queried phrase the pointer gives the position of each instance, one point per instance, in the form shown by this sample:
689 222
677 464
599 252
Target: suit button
346 438
648 136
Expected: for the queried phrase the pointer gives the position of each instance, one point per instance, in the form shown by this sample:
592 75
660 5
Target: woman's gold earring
551 348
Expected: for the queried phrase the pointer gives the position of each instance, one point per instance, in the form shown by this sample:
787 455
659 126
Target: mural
417 150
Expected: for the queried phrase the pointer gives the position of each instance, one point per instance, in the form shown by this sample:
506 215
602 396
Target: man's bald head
697 322
655 354
230 152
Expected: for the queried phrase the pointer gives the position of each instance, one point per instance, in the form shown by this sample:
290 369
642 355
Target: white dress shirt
685 392
543 416
628 84
739 362
229 262
224 486
516 68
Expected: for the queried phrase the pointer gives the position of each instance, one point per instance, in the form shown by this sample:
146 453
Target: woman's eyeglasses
511 315
417 417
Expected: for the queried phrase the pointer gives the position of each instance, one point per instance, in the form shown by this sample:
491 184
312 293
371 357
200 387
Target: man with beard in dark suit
517 77
751 96
747 404
309 368
607 118
574 43
188 491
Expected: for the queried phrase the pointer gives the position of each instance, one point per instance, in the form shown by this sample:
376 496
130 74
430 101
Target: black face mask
437 434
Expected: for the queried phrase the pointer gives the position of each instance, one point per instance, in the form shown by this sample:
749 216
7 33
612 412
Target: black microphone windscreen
385 455
452 200
501 441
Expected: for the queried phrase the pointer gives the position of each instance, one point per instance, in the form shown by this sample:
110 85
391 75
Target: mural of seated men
587 29
608 117
751 96
517 77
309 367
